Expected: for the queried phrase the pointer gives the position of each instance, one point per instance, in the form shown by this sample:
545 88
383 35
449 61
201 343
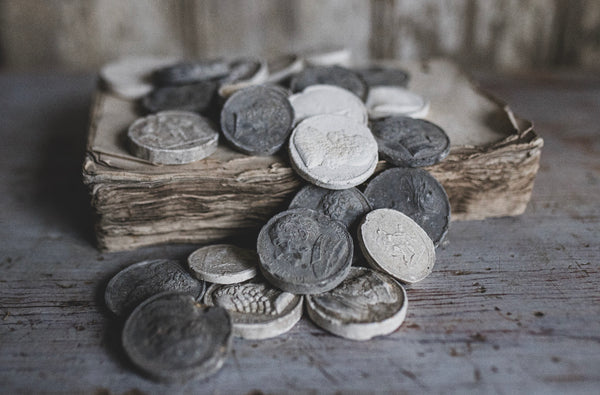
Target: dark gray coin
384 76
257 120
346 205
410 142
334 75
196 97
415 193
136 283
304 252
173 338
190 72
241 69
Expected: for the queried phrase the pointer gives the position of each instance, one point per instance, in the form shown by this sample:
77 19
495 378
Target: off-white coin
333 151
223 264
257 310
394 243
244 73
366 304
328 99
384 101
329 56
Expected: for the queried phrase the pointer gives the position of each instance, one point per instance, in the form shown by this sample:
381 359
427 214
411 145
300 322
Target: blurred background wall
484 34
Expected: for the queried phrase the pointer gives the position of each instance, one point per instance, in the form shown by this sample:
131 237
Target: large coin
384 76
173 338
333 151
410 142
172 137
303 251
196 97
258 311
415 193
257 120
138 282
223 264
335 75
385 101
244 73
190 72
366 304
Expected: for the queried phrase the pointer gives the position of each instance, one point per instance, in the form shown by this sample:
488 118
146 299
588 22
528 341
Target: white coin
223 264
328 99
329 56
384 101
333 151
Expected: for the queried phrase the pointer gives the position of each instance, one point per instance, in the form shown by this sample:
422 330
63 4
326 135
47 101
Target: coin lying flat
394 243
366 304
410 142
172 137
328 99
333 151
196 97
223 264
415 193
384 76
243 73
302 251
334 75
172 338
282 67
385 101
258 311
257 120
191 72
138 282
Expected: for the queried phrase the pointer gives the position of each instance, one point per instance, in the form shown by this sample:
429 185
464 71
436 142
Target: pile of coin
339 252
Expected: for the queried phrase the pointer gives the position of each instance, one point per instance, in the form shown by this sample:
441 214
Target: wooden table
512 305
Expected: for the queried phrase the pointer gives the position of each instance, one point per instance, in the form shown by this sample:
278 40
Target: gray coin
257 120
302 251
283 67
366 304
223 263
173 338
138 282
334 75
384 76
415 193
196 97
410 142
190 72
241 69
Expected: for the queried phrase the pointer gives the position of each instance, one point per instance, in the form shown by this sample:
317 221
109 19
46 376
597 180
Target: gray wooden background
490 34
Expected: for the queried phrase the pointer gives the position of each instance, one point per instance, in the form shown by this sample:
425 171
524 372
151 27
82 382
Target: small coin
172 137
385 101
243 73
334 75
223 264
196 97
257 120
191 72
384 76
328 99
328 56
302 251
258 311
172 338
333 151
410 142
283 67
415 193
138 282
366 304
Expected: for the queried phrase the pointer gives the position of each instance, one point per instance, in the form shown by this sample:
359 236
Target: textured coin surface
384 76
283 67
397 245
244 73
172 338
410 142
334 75
190 72
196 97
138 282
366 304
258 311
385 101
302 251
415 193
333 151
257 120
223 264
172 137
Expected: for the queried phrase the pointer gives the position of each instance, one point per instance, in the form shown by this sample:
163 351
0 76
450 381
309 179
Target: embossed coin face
172 338
397 245
172 137
328 99
302 251
410 142
385 101
334 75
333 151
257 120
415 193
366 304
196 97
258 311
384 76
138 282
190 72
223 264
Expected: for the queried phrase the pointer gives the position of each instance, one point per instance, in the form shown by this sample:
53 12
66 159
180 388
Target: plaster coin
328 99
302 251
366 304
415 193
257 120
196 97
258 311
223 264
384 76
172 137
397 245
410 142
283 67
333 151
385 101
139 281
334 75
243 73
173 338
328 56
190 72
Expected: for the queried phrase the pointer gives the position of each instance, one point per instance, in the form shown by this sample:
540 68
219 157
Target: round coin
385 101
384 76
223 264
366 304
172 338
190 72
302 251
334 75
196 97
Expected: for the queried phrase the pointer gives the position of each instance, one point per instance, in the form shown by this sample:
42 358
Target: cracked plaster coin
333 75
385 101
223 264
